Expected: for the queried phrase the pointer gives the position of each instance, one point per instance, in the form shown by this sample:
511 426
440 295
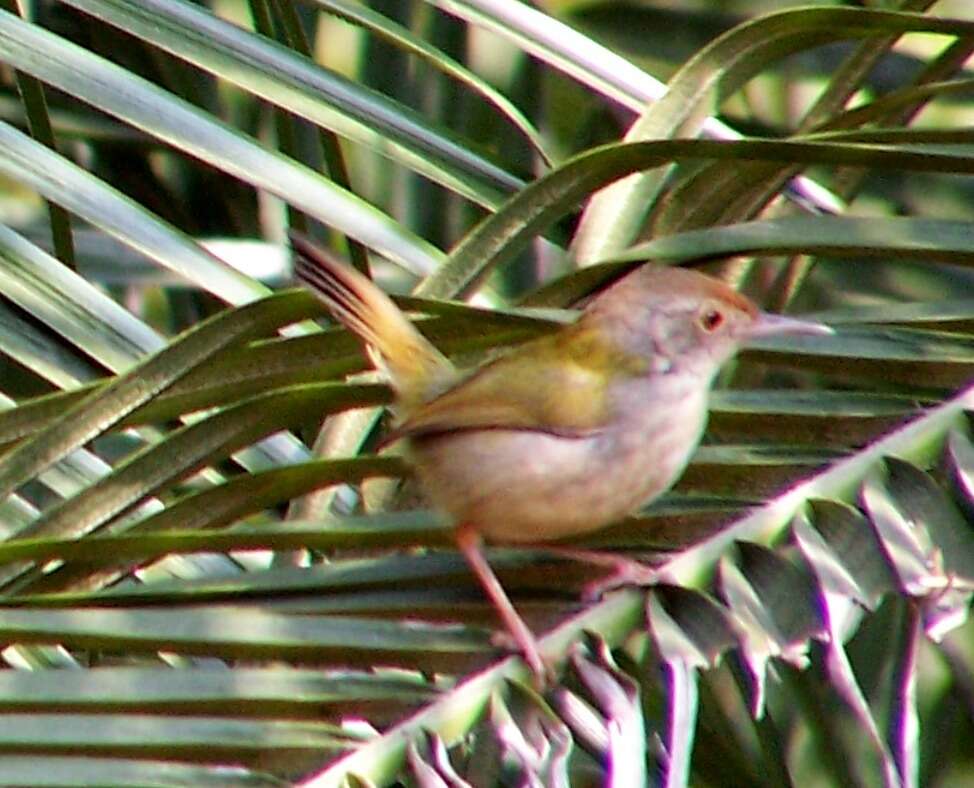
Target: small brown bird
566 433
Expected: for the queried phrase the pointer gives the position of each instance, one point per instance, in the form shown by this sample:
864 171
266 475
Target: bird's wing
532 388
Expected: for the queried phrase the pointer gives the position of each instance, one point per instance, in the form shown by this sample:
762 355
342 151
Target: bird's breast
517 485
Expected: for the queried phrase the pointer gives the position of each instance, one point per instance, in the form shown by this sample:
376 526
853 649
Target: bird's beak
768 325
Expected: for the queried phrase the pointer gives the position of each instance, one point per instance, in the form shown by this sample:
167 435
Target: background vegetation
198 588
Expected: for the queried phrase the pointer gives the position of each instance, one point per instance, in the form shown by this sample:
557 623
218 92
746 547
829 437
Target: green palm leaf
174 614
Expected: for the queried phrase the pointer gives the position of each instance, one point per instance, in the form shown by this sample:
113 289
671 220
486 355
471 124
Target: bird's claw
542 673
626 572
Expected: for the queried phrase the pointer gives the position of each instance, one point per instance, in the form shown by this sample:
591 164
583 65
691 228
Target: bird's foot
542 674
625 572
469 542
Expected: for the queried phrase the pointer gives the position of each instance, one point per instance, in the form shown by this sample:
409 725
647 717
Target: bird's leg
471 545
625 571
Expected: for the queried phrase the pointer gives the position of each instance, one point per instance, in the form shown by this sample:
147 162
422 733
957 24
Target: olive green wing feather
538 386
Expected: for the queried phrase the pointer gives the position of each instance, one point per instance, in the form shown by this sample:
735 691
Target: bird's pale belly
527 486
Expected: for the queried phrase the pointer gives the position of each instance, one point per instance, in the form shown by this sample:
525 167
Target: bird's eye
711 320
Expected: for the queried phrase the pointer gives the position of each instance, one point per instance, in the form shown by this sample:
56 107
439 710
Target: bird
565 433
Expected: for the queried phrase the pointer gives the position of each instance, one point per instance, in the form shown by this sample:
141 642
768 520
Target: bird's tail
415 367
